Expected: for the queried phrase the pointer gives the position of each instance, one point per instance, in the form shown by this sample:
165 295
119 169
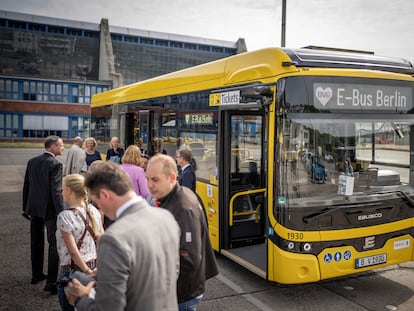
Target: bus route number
295 236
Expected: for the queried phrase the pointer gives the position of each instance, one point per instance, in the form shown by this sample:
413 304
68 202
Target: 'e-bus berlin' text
351 96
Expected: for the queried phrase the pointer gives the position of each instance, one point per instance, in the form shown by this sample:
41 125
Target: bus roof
248 67
340 58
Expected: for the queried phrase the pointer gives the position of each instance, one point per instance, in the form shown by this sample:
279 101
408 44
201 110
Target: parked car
318 171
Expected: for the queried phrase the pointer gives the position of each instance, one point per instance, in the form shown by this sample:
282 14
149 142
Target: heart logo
323 95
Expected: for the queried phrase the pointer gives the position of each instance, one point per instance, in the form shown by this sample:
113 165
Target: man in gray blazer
137 264
42 202
75 158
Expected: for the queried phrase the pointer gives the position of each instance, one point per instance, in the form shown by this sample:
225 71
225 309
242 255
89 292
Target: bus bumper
291 268
341 261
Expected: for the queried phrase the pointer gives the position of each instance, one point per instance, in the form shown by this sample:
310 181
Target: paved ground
16 292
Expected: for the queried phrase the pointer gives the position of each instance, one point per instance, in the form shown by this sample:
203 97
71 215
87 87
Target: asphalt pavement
16 292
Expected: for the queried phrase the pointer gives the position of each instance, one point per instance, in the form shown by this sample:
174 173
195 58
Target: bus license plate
370 260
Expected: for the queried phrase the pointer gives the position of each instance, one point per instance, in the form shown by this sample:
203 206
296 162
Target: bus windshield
316 152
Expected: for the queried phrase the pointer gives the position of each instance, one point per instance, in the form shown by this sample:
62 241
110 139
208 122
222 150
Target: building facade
50 68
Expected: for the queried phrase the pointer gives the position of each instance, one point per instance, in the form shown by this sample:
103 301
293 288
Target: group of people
77 160
149 258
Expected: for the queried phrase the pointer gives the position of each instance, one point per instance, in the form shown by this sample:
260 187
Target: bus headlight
290 245
306 247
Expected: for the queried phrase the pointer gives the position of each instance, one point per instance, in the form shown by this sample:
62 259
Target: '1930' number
295 236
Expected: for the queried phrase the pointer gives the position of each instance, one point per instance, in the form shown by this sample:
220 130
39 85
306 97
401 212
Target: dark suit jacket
42 187
187 178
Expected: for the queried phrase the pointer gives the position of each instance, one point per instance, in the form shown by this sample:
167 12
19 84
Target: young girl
76 242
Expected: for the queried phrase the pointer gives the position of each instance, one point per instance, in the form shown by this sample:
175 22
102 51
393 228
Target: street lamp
283 23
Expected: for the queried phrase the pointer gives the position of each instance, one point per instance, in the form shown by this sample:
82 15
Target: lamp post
283 42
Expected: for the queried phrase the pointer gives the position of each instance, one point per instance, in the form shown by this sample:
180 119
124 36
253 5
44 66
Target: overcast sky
383 26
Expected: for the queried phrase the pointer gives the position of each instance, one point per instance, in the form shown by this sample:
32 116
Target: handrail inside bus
239 194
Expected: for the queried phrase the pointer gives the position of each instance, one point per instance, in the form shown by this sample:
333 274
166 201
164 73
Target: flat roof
37 19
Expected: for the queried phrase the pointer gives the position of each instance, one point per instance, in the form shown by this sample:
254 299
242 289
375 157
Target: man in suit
197 260
138 263
42 202
187 177
75 158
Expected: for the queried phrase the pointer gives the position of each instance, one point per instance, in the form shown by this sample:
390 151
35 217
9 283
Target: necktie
157 203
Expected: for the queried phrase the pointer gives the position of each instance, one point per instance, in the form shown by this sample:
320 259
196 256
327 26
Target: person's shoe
51 287
38 279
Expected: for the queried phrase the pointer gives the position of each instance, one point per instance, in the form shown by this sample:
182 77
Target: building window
9 125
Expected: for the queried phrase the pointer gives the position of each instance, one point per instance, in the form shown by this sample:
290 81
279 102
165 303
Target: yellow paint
212 211
290 268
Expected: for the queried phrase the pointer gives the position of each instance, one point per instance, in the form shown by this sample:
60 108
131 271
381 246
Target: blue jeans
190 305
63 301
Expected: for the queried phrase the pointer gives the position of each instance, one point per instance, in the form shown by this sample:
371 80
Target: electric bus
274 133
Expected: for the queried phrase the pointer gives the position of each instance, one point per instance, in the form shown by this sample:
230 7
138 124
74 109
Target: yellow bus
288 219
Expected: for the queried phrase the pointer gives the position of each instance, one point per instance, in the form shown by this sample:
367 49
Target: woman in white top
78 227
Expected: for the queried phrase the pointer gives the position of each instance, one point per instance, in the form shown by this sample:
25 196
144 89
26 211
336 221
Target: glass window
317 150
203 147
26 86
8 121
8 85
15 121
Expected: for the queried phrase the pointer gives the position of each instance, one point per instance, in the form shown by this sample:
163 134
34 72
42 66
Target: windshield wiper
409 199
334 208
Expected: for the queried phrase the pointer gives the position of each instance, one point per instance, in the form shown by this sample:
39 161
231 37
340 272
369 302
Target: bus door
241 175
144 132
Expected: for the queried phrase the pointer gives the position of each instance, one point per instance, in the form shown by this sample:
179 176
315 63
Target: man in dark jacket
42 202
186 177
197 260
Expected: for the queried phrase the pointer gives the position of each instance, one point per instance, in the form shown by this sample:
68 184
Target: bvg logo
369 242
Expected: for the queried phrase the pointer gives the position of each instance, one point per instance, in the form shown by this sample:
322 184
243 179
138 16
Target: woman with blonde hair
114 153
131 164
91 154
78 228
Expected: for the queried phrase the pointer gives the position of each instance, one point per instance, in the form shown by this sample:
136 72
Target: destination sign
356 96
199 119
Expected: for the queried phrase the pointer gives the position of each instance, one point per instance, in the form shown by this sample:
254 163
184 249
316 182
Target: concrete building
50 68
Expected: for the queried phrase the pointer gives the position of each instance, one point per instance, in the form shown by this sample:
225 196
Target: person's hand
75 289
27 216
91 272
